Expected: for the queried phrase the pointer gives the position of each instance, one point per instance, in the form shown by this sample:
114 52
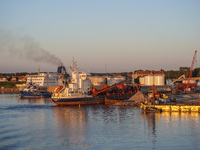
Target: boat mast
38 70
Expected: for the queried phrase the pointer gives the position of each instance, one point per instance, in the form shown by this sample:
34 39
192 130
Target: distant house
14 79
22 78
3 79
9 78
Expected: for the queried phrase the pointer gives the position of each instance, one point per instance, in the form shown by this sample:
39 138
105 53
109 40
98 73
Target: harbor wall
9 90
16 90
174 108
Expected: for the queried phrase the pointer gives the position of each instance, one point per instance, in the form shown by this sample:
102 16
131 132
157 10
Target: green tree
184 70
196 72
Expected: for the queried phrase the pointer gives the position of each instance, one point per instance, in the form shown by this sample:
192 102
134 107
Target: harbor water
40 124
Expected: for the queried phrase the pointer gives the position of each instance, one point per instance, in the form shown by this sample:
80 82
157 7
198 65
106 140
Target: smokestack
61 70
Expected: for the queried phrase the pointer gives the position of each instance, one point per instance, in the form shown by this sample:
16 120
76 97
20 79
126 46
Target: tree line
170 74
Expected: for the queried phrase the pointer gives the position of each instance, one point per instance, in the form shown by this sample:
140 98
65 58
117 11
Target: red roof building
22 78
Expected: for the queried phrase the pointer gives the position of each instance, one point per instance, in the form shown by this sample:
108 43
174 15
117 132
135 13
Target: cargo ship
77 100
73 88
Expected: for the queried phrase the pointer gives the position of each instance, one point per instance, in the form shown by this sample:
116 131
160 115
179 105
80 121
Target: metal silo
148 80
159 80
141 80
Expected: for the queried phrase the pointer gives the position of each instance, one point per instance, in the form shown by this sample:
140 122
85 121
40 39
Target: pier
173 107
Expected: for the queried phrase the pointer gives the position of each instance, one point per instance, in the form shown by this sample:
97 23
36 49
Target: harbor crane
188 87
192 66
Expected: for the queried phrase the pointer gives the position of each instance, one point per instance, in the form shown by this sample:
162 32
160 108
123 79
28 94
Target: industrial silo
148 80
141 80
159 80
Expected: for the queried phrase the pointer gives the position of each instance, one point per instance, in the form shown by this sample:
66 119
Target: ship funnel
61 70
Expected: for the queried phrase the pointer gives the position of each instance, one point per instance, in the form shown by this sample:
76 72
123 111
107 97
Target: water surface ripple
40 124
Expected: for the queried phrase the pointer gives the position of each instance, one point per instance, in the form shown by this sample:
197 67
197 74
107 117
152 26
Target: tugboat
33 91
73 89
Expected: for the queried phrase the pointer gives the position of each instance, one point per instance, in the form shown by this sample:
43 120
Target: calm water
39 124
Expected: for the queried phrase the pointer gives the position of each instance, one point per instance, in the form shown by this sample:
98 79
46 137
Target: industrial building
148 78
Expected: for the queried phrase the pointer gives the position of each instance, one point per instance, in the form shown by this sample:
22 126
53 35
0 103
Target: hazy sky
126 35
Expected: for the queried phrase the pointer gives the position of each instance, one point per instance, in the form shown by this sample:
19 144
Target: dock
173 107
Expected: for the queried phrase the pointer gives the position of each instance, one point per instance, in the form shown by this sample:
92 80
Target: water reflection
151 123
35 100
40 124
71 124
87 125
174 125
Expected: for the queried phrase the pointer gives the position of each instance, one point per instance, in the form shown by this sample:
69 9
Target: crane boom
110 87
188 87
192 66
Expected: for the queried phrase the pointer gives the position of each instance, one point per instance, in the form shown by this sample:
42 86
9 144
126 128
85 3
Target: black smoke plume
26 47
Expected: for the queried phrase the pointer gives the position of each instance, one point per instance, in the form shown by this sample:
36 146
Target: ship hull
78 101
35 96
32 95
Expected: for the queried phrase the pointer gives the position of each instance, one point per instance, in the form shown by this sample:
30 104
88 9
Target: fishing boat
74 89
33 91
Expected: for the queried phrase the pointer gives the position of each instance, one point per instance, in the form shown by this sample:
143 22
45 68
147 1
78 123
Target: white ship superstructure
76 86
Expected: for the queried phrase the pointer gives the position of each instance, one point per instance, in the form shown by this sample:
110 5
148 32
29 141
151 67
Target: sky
101 35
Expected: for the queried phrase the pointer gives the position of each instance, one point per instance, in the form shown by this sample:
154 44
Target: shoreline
9 91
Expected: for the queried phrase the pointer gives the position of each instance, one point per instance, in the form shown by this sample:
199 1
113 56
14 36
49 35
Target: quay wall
9 90
174 108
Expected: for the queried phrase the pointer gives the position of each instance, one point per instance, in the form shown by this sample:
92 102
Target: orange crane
182 87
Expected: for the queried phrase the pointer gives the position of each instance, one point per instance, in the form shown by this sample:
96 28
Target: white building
42 80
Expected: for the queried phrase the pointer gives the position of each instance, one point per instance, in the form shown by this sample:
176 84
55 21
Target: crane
192 66
184 87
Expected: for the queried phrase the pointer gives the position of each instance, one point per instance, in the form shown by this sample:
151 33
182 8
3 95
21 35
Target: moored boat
48 80
78 100
35 92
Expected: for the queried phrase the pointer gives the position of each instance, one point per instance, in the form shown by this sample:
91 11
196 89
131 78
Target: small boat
35 92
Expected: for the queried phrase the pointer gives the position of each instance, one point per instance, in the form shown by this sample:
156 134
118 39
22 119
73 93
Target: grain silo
159 80
141 80
148 80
